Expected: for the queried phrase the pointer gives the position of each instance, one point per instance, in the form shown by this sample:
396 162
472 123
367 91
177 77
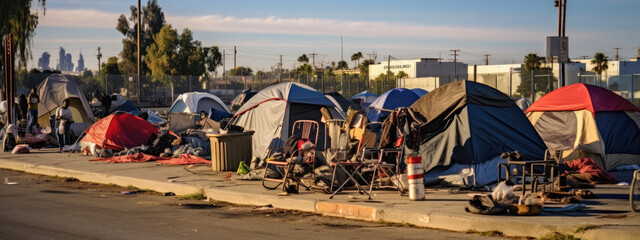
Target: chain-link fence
161 91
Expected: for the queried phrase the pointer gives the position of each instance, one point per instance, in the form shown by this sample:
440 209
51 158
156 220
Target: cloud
328 27
90 18
79 18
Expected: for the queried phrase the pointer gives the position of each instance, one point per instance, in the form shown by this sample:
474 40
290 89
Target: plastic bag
503 193
243 169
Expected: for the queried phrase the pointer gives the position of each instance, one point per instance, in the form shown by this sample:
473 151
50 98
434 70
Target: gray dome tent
272 112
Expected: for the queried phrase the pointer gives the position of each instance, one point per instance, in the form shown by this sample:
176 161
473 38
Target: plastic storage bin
228 150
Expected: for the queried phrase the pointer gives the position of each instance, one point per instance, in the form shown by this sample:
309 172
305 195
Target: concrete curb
177 188
452 222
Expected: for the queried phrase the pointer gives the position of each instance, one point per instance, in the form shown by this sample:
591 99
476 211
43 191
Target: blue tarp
389 101
127 106
218 115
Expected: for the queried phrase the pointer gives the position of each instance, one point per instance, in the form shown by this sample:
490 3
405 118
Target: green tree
161 54
303 59
342 65
601 63
212 58
532 62
356 58
638 52
190 55
401 76
152 23
110 72
240 71
18 18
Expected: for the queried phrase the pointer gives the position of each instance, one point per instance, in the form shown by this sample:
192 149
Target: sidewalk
443 209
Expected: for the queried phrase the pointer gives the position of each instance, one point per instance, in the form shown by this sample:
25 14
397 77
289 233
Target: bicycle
634 192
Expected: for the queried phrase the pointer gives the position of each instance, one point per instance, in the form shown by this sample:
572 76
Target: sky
409 29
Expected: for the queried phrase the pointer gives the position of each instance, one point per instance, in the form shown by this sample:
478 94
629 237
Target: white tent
196 102
56 88
272 112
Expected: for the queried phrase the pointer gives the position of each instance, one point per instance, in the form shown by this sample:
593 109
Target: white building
507 77
417 68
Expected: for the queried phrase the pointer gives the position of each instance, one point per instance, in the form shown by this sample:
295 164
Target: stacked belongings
467 125
587 121
387 102
364 99
196 110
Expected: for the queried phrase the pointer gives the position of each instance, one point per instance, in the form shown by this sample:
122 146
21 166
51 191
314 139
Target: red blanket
588 166
141 157
184 159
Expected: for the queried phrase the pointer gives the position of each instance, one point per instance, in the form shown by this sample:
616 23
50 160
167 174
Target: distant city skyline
262 30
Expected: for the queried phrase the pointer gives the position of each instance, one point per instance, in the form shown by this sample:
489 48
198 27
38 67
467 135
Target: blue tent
128 106
389 101
468 125
364 98
421 92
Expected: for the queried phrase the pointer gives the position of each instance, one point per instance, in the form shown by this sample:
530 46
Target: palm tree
601 63
342 65
532 62
303 59
402 75
356 58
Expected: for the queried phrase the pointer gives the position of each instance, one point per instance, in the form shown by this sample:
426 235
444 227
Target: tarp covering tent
389 101
591 122
343 102
364 98
196 102
53 90
467 126
272 112
419 91
118 131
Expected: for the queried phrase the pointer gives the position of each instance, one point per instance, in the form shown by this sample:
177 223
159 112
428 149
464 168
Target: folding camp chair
536 170
306 129
337 154
382 169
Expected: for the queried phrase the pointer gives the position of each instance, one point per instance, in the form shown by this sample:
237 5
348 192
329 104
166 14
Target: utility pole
455 63
617 56
341 52
486 59
235 52
224 76
388 72
138 58
313 59
99 56
280 72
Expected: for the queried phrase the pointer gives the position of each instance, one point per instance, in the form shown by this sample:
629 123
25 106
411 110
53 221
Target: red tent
581 96
120 130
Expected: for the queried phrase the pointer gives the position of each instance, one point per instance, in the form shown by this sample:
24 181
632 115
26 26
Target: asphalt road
40 207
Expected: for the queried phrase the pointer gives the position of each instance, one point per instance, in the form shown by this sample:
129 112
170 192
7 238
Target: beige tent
53 90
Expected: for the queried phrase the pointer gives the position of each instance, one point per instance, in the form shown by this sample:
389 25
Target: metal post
533 86
138 58
510 83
